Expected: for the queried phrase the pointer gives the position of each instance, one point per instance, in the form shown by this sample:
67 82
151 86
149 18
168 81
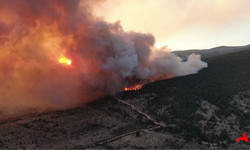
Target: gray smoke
105 59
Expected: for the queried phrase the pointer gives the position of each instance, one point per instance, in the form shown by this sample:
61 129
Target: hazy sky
183 24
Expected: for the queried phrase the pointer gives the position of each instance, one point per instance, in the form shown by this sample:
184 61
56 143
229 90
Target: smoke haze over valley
71 77
102 58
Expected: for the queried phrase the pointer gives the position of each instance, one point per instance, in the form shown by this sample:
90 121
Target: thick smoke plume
105 59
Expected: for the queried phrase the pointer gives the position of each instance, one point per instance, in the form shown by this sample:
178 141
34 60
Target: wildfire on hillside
64 60
95 57
133 88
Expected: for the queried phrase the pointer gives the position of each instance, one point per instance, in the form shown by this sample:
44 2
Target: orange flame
137 87
64 60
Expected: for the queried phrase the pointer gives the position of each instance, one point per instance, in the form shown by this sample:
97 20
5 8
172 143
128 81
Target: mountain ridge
212 52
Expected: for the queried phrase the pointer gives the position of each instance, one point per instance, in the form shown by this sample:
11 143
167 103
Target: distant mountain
208 53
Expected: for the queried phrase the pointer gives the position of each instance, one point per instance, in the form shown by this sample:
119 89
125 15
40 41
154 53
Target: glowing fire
64 60
137 87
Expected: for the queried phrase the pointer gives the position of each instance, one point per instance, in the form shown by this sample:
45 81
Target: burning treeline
57 54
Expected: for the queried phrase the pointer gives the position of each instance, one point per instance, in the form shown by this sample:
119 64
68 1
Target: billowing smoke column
101 57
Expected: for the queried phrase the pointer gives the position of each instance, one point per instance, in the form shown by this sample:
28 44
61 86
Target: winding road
159 124
146 115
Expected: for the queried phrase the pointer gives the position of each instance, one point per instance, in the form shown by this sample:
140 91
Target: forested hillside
226 79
